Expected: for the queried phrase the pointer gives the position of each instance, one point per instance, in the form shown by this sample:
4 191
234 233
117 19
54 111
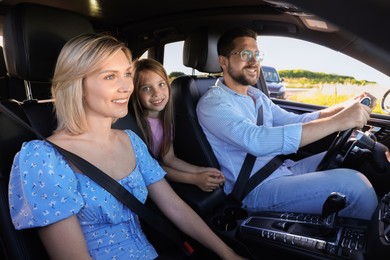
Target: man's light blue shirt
229 121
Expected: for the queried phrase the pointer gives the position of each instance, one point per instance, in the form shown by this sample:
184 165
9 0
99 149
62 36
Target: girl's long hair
166 115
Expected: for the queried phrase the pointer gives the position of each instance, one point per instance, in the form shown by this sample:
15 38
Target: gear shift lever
333 204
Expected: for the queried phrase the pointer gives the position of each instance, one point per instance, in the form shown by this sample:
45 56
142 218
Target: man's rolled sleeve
292 138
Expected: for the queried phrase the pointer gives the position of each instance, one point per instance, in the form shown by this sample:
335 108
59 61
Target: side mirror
385 104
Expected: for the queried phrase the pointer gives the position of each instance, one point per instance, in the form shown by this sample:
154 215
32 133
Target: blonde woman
75 217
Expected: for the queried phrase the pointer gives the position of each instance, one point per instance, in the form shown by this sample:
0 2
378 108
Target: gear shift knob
333 204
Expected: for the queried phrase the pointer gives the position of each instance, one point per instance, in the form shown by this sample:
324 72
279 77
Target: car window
173 60
304 72
315 74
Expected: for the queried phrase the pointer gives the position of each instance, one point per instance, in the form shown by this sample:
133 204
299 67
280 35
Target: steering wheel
334 149
338 143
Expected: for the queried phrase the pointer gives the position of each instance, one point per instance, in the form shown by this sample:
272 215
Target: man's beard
241 78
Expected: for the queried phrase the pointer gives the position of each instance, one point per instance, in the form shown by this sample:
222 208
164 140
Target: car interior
33 35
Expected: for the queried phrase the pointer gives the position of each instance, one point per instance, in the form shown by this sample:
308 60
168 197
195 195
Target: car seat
33 38
3 76
190 143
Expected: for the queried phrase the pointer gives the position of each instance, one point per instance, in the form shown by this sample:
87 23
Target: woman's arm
187 220
64 240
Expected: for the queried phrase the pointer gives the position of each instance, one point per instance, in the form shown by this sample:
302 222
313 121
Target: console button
320 245
345 242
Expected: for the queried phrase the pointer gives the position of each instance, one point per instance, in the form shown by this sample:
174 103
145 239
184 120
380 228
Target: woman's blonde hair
78 58
166 116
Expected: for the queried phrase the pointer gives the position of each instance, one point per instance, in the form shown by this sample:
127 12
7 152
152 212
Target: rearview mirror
385 104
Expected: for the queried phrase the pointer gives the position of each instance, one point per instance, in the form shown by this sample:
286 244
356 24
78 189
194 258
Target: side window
313 74
173 61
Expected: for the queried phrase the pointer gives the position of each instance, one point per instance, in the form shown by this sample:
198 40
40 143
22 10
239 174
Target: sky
277 54
288 54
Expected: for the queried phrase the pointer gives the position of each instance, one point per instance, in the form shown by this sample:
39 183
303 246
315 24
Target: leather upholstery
33 38
190 143
200 51
20 245
3 76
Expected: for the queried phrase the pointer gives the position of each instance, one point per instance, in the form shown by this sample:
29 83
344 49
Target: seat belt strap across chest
244 184
158 222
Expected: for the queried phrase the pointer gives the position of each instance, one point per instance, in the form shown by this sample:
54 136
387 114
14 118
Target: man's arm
332 110
355 115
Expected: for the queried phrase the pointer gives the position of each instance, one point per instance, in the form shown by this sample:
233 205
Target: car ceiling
122 12
146 23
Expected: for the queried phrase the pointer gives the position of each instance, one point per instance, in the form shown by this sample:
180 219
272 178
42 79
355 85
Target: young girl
154 113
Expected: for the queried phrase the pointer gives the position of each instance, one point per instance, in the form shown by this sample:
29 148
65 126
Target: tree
175 74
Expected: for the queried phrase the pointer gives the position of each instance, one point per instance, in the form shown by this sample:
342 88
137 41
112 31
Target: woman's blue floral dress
43 189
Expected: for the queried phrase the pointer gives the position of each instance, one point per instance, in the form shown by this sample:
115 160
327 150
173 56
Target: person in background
296 186
154 114
74 216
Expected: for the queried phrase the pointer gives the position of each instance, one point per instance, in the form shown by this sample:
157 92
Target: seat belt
244 184
118 191
128 199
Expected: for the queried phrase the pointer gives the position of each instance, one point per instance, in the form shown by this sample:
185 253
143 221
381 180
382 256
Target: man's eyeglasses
247 55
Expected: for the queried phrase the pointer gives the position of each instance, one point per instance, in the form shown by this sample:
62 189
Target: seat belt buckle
189 250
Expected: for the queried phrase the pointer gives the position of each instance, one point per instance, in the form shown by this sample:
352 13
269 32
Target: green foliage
305 77
175 74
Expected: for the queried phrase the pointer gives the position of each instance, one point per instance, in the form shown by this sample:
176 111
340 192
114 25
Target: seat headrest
34 36
200 51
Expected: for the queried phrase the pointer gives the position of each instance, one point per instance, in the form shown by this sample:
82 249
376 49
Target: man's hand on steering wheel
356 117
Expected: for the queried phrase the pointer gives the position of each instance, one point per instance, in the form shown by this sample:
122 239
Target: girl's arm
206 178
187 220
64 240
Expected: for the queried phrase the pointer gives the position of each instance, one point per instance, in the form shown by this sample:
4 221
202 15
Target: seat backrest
33 37
200 53
190 143
20 245
3 76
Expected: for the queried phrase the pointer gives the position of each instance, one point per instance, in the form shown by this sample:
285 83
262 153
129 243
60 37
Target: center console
306 232
308 236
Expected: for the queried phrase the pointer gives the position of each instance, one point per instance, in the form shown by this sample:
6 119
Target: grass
328 94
